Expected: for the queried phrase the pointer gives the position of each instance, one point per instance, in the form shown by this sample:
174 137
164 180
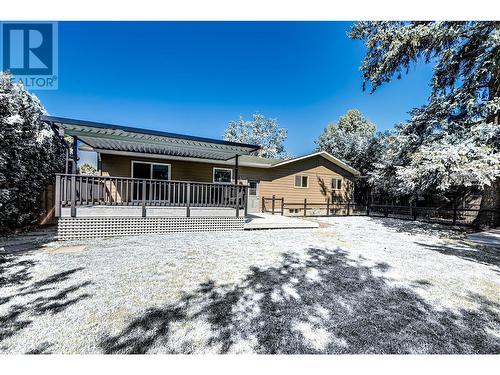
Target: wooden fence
452 216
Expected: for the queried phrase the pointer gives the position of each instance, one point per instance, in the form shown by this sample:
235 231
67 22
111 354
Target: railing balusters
78 190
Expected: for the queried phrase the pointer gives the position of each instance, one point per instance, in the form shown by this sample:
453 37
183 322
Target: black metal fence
452 216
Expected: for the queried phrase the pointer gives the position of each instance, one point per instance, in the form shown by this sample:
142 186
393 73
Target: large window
223 175
145 170
336 184
156 171
301 181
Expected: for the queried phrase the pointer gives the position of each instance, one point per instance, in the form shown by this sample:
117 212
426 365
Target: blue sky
194 77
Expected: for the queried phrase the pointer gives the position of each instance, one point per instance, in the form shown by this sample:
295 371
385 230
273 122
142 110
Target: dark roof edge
101 125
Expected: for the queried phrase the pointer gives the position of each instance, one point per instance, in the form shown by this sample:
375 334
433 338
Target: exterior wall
277 181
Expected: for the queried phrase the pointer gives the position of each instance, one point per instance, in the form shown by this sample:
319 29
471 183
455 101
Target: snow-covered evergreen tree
29 155
87 169
259 131
452 141
352 139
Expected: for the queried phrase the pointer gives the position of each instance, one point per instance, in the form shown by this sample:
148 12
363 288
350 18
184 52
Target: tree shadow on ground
36 297
14 270
474 253
419 227
322 303
479 254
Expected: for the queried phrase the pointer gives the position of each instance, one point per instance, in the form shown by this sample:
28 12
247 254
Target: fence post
454 214
73 196
305 206
367 209
386 211
411 211
272 204
328 206
415 213
57 203
144 198
263 204
282 205
348 208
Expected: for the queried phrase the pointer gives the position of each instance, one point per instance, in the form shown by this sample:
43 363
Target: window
223 175
336 184
157 171
252 187
146 170
301 181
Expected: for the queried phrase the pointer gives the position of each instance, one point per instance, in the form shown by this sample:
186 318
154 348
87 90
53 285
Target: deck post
237 201
236 171
73 196
75 155
328 206
282 205
144 198
57 203
273 204
188 201
305 206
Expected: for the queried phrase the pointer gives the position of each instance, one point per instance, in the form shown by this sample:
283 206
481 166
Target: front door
253 196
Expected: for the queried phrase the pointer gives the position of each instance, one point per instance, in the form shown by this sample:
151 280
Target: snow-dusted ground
360 285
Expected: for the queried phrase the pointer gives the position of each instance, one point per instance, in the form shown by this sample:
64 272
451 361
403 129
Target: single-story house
148 173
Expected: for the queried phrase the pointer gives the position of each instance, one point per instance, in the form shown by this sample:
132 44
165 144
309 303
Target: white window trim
301 187
150 168
341 183
224 169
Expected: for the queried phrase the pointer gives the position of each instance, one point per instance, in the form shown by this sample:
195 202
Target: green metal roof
102 137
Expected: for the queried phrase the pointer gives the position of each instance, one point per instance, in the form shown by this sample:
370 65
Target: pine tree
352 139
453 140
260 131
29 155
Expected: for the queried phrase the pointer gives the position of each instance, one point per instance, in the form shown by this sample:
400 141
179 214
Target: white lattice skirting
94 227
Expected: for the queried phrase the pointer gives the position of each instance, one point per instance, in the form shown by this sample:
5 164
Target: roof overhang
114 138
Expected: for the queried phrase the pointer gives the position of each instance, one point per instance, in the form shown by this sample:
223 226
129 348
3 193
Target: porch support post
246 201
237 188
57 203
236 172
188 200
75 154
236 178
144 198
73 196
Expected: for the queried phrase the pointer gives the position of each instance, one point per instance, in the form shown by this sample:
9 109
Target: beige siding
277 181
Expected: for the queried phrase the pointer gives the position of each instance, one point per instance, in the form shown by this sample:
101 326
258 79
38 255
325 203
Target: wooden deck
151 211
97 196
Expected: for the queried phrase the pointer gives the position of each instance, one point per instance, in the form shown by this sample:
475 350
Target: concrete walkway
268 221
487 238
28 241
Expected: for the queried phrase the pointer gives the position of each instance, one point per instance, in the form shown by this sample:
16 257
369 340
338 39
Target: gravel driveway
356 285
